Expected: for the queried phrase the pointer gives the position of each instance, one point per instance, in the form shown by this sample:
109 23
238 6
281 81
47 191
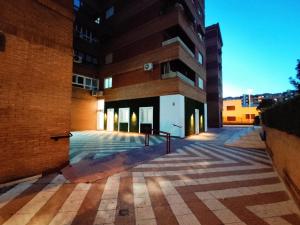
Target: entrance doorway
124 119
145 119
100 114
110 119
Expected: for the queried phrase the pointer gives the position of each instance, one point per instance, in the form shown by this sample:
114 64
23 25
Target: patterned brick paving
93 145
199 184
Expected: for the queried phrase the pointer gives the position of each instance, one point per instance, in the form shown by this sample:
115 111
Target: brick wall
35 86
147 44
214 114
83 110
135 77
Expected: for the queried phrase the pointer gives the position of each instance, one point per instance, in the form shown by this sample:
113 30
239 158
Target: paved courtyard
201 182
98 144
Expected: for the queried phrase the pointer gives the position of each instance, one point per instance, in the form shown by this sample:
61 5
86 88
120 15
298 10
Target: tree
296 81
265 103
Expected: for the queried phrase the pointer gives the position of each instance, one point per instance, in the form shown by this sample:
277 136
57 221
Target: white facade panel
172 115
100 114
110 119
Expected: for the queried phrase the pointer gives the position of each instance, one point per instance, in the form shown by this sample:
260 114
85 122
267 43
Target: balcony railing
173 74
178 40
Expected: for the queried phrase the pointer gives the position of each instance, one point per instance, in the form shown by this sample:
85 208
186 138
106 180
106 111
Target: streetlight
249 101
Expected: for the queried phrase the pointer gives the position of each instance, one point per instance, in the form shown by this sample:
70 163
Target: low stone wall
285 152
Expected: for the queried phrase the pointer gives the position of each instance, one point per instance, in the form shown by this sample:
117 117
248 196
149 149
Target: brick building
147 60
214 85
35 89
136 65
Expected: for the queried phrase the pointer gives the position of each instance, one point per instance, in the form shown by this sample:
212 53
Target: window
108 82
80 80
95 84
88 81
108 58
231 118
230 108
109 12
85 82
124 115
200 58
200 83
248 116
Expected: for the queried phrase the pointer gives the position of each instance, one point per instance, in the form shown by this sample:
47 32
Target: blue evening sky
261 43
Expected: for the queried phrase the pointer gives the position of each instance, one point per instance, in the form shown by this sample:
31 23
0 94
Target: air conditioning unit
148 67
77 59
97 93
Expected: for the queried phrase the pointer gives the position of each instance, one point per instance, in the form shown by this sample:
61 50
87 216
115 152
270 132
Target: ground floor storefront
176 114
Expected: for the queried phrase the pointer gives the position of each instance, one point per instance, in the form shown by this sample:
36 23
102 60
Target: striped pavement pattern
198 184
97 144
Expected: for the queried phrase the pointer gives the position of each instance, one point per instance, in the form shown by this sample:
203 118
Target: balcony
177 68
160 55
154 88
178 40
173 74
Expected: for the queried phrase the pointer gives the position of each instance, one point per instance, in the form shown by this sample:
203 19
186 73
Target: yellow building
235 113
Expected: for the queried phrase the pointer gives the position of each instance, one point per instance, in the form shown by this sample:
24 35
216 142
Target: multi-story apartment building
148 61
214 85
254 100
135 65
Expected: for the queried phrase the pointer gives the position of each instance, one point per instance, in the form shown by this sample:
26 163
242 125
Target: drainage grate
123 212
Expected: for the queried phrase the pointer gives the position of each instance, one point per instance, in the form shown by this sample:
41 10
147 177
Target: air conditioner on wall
77 59
97 93
148 66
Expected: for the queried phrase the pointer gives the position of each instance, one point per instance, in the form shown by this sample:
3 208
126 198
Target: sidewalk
199 183
247 138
